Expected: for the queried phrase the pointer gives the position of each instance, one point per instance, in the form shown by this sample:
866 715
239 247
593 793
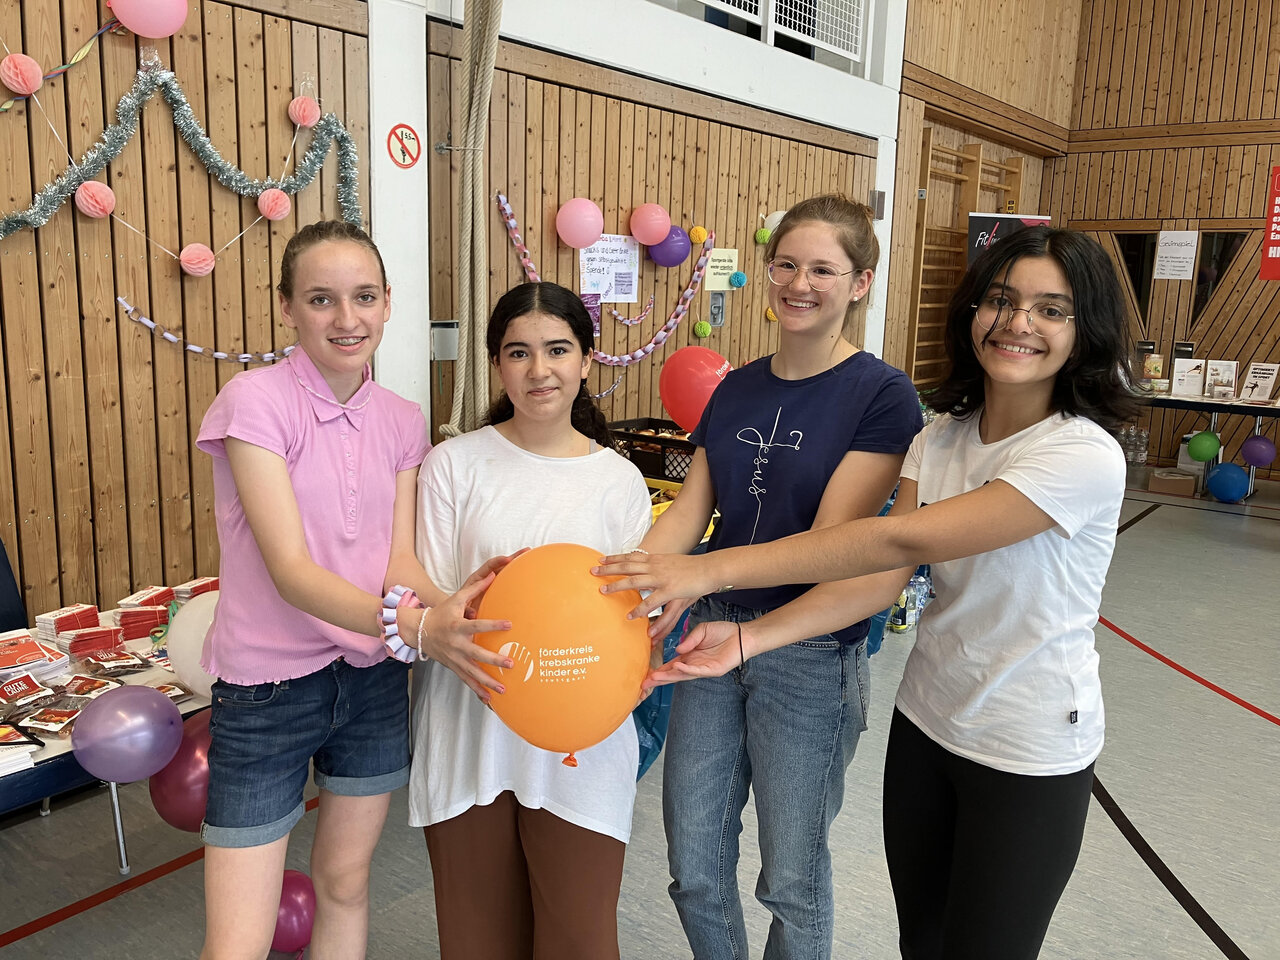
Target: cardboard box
1173 482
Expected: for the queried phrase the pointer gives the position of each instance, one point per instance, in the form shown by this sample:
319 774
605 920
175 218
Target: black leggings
978 857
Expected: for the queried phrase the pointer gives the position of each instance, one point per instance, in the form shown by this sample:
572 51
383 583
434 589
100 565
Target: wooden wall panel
1179 62
559 128
1174 128
1022 54
101 487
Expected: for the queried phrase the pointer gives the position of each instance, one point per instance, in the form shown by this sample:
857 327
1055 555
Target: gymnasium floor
1197 774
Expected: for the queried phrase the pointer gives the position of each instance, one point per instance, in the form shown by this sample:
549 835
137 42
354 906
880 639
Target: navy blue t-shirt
773 444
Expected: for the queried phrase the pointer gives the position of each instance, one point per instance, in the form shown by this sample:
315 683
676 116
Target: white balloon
772 220
185 641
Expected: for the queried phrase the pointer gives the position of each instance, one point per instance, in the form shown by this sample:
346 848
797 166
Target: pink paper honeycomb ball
21 74
197 260
95 199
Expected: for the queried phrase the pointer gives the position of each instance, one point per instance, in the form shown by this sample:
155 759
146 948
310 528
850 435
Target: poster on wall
1270 269
988 228
1176 255
610 267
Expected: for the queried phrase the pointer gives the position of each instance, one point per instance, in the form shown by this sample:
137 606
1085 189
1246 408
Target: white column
398 100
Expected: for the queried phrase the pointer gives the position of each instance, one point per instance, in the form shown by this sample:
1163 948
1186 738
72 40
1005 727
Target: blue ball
1228 482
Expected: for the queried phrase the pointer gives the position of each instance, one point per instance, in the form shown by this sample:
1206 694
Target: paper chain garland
115 137
112 25
133 313
660 337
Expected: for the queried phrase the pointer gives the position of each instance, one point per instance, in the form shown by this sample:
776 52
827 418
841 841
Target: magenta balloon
127 734
1258 451
296 914
180 791
672 251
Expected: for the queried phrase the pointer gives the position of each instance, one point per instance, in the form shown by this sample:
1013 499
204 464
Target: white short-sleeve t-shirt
1004 670
482 496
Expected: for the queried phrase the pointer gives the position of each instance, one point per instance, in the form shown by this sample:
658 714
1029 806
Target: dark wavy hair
556 301
1096 381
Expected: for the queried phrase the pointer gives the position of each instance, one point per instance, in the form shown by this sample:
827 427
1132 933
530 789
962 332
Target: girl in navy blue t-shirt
811 436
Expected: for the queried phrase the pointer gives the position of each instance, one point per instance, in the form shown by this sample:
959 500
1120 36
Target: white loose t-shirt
1004 670
482 496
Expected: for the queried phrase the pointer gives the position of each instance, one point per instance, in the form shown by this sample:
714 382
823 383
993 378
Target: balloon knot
570 761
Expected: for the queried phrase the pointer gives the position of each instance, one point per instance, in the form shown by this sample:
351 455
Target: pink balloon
21 74
274 204
579 223
296 914
197 260
95 199
180 791
155 19
650 224
304 111
688 378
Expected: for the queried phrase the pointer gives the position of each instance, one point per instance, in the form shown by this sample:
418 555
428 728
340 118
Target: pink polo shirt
343 464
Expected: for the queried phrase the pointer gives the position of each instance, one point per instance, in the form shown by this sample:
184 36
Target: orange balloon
579 661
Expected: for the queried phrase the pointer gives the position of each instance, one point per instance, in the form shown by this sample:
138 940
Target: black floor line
1132 520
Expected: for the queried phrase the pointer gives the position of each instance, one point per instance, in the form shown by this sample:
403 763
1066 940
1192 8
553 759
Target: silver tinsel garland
113 140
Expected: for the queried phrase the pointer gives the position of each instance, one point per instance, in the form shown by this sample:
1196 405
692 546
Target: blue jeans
351 722
785 726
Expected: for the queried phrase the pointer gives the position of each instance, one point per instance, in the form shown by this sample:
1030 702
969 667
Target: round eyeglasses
821 278
1045 320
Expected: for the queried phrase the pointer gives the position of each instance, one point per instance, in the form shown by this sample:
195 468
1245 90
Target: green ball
763 235
1203 446
702 329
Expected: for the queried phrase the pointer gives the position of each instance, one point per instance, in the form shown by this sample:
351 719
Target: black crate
663 458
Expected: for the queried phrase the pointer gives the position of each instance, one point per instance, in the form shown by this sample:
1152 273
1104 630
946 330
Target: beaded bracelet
389 622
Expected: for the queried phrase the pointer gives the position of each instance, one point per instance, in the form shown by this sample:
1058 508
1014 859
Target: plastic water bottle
902 614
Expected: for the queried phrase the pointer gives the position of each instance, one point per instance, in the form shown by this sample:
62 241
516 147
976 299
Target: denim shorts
352 722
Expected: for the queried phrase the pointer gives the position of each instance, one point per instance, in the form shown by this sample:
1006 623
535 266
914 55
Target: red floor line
1185 672
110 893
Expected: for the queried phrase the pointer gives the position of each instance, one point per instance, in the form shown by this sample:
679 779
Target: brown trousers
513 883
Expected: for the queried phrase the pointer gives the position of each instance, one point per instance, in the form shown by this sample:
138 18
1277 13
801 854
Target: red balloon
688 378
296 914
180 791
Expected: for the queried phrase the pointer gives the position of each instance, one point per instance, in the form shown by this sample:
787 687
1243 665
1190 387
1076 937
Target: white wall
645 38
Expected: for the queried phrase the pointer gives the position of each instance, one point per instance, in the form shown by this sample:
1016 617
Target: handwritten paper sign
610 267
720 265
1176 255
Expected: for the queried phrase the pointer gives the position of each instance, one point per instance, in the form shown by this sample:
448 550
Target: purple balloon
1258 451
672 251
296 914
127 734
180 791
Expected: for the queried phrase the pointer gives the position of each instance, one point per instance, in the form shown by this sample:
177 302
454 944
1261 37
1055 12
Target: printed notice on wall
611 267
1176 255
720 267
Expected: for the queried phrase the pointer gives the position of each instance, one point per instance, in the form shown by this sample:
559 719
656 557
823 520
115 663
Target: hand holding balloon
493 565
448 637
669 576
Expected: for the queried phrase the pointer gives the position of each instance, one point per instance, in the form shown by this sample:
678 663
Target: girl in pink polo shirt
315 472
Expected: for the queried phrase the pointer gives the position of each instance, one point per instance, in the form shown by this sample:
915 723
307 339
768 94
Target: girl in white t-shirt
1013 496
526 853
